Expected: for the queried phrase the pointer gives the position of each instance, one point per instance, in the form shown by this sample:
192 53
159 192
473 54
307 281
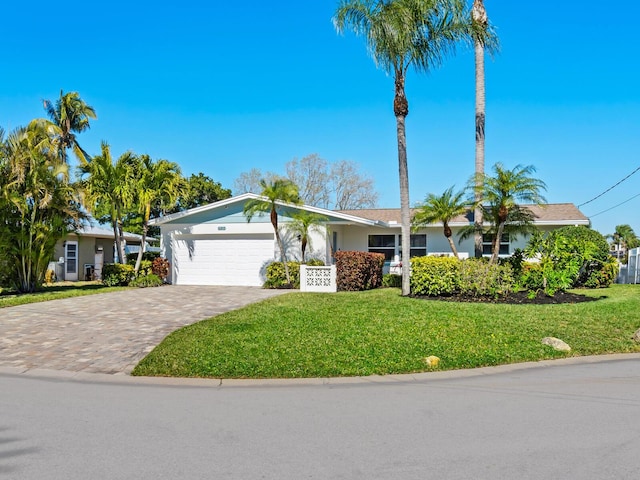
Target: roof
549 214
333 216
89 230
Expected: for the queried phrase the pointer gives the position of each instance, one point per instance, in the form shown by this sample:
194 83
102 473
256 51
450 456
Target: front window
487 244
385 244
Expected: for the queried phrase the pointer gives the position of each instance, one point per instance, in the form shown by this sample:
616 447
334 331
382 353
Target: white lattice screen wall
318 279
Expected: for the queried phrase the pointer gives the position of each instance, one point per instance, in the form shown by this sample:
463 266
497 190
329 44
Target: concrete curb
422 377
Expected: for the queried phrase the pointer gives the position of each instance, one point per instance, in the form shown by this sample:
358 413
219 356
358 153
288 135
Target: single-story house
215 245
80 255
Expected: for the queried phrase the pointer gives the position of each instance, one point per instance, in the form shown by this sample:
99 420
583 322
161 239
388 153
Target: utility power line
608 190
615 206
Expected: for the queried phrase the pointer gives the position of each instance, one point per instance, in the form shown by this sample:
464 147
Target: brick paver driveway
109 332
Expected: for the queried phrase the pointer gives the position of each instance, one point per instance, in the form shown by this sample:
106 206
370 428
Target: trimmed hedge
391 280
117 274
357 271
277 277
144 281
433 276
479 278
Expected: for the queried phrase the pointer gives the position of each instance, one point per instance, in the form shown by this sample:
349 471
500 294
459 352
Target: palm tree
624 238
501 194
483 39
157 185
69 115
110 188
38 205
443 208
274 193
303 224
401 34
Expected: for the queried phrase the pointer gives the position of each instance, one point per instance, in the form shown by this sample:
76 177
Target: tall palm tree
70 115
302 225
157 185
110 187
624 238
274 193
502 195
38 205
484 39
404 34
443 208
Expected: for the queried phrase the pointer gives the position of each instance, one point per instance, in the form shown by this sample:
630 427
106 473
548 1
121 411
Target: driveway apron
109 332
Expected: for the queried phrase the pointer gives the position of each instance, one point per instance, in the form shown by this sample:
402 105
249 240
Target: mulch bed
517 298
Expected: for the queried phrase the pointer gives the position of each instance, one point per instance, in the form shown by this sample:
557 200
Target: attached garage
222 259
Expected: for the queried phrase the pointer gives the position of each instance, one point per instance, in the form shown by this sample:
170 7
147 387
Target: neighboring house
215 245
80 255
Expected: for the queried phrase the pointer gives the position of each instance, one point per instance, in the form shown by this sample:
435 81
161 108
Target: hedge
357 271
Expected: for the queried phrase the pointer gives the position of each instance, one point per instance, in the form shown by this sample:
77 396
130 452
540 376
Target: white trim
70 276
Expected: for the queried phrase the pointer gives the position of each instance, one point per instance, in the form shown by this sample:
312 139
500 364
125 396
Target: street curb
422 377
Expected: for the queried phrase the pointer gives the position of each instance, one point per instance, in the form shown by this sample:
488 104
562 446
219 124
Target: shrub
150 280
148 256
479 278
391 280
357 271
160 267
605 276
277 277
569 257
117 274
434 276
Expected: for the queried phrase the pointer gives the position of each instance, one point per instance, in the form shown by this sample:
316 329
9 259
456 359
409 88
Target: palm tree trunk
401 110
450 240
479 14
283 256
145 227
496 244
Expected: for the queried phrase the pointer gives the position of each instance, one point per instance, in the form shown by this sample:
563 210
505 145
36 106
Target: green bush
391 280
356 271
433 276
605 276
568 257
479 278
117 274
150 280
277 277
148 256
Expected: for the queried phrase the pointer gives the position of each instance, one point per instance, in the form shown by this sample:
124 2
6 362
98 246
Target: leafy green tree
443 208
38 205
502 194
67 117
302 225
109 189
274 194
200 190
404 34
484 39
155 185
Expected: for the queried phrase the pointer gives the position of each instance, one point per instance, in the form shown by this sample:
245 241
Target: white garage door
222 259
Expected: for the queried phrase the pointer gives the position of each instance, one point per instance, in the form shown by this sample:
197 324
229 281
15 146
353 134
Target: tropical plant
404 34
274 193
502 194
109 189
484 39
302 225
623 239
38 205
443 208
156 185
68 116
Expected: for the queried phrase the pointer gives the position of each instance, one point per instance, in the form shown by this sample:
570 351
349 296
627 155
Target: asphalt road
564 421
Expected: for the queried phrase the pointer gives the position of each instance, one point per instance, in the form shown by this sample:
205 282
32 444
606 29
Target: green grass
54 292
379 332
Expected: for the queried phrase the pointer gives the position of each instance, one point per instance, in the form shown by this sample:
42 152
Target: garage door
222 259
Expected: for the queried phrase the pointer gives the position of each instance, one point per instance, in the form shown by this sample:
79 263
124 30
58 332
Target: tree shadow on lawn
519 298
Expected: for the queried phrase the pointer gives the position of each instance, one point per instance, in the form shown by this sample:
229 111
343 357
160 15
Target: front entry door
71 261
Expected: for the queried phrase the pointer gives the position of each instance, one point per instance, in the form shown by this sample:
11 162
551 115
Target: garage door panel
222 259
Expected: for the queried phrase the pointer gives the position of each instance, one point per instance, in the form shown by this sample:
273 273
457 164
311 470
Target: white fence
633 266
318 279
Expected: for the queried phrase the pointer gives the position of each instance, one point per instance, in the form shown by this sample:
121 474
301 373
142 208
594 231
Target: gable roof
333 216
549 214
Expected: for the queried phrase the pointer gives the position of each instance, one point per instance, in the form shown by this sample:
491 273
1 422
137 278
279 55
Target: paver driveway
109 332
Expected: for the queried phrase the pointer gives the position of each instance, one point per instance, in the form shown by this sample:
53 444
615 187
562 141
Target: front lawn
54 292
379 332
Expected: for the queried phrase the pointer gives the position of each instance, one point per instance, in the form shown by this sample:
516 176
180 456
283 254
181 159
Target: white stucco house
215 245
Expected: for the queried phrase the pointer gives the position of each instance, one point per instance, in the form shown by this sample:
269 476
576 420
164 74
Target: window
487 244
418 244
385 244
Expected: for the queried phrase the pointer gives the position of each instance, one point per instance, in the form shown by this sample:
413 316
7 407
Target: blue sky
222 87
